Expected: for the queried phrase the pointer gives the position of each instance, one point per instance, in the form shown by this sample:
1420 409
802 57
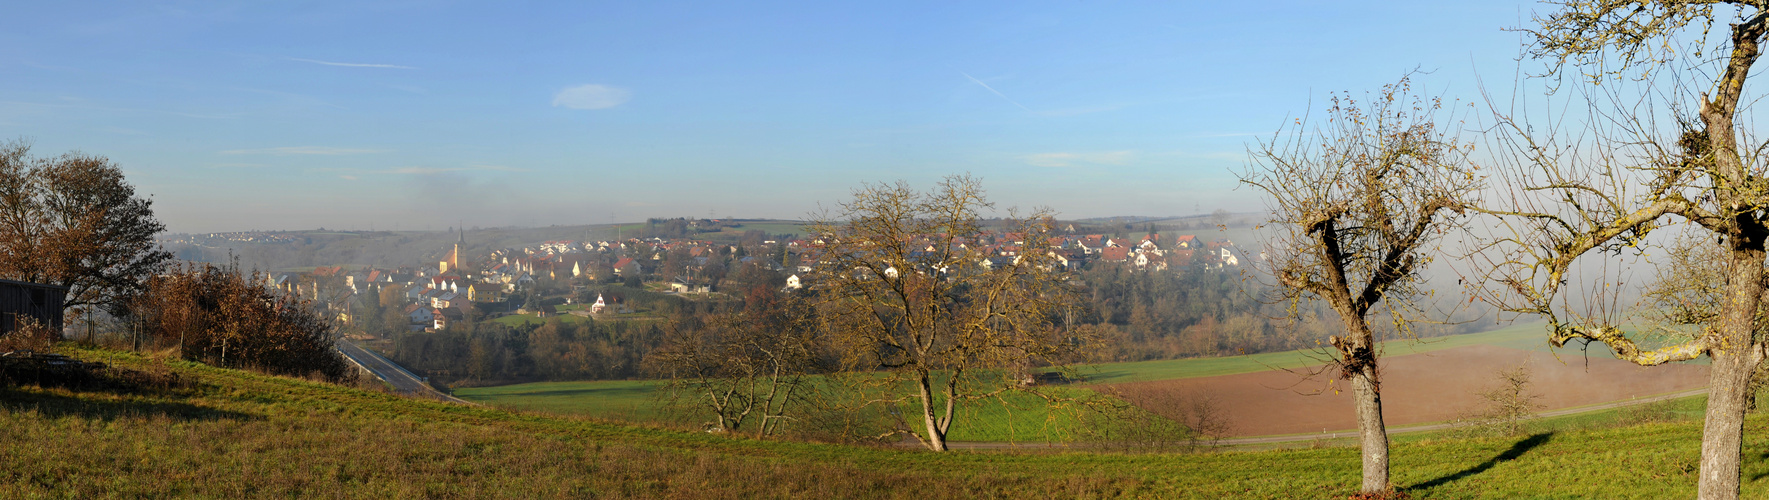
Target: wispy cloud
992 89
351 65
237 165
1078 110
303 150
591 97
347 177
1073 159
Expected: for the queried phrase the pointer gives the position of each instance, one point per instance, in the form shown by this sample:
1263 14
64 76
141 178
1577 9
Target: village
539 281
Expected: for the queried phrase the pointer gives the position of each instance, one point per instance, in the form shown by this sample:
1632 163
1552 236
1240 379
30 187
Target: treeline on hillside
1137 315
1156 315
1210 312
480 351
555 350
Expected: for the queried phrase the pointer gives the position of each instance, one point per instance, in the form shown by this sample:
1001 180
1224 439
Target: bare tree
747 367
1506 405
1601 186
907 290
1358 202
73 221
1155 418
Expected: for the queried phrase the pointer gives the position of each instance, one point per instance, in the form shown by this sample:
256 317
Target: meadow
1014 418
226 433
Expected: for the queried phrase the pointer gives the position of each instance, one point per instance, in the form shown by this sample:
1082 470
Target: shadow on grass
58 406
1107 377
1760 476
1517 450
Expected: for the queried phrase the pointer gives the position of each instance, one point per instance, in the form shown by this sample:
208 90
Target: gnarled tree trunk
1358 364
1735 356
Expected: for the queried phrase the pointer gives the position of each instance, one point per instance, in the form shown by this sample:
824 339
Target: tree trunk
1372 433
1357 362
936 440
1722 435
1735 356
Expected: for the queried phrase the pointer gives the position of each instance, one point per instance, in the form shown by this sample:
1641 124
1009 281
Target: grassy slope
627 399
240 434
1013 418
602 398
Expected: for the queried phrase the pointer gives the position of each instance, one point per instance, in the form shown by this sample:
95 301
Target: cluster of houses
437 295
1152 252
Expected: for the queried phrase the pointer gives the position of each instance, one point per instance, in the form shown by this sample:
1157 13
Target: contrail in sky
351 65
992 89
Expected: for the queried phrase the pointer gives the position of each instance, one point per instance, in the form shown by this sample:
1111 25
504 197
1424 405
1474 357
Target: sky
418 114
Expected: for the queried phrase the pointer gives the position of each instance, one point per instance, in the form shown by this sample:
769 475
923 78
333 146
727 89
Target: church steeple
455 257
453 260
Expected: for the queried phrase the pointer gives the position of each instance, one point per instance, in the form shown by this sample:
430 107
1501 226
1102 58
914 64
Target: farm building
20 300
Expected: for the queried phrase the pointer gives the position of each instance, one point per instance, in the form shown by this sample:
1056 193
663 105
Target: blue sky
418 114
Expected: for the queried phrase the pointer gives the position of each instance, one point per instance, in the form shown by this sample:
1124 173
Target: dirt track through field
1419 388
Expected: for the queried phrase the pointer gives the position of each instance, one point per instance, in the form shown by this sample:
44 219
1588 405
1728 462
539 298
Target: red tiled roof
1115 254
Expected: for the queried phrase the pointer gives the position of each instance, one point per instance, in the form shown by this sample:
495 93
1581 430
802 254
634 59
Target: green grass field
622 399
1012 418
619 398
236 435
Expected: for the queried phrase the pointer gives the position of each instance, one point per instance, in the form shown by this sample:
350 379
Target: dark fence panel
41 303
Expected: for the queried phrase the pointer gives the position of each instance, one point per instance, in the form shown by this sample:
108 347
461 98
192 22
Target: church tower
455 257
453 262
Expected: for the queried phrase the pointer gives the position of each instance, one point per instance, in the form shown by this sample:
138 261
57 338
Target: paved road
1334 435
402 381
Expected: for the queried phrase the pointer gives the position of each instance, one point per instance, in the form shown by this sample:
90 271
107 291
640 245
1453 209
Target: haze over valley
420 249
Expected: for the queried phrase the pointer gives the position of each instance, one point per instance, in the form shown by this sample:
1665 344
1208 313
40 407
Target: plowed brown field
1421 388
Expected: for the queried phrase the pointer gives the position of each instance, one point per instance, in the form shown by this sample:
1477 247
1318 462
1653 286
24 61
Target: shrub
222 317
